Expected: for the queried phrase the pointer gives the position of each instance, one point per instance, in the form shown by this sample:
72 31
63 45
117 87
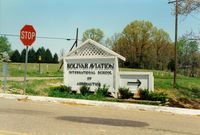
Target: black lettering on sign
104 72
82 72
102 66
97 84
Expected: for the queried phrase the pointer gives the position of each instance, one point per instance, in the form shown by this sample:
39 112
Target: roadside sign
40 58
27 35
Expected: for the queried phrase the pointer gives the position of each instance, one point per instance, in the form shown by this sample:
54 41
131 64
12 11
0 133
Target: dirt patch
23 99
73 103
185 103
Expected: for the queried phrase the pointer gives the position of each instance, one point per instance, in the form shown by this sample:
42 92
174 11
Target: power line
172 2
54 38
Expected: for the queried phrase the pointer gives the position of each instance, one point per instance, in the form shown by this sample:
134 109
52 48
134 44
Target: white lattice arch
91 48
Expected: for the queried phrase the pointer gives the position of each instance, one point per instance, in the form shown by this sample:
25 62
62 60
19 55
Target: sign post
4 57
25 67
27 36
39 59
5 70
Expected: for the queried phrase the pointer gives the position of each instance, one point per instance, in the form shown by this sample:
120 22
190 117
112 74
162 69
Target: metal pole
5 68
39 68
25 67
175 47
76 37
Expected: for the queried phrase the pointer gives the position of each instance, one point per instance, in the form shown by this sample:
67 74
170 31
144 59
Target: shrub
144 94
158 97
102 91
153 96
84 90
66 89
125 93
31 91
62 88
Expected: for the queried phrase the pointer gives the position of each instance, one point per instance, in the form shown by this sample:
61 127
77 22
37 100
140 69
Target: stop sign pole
27 36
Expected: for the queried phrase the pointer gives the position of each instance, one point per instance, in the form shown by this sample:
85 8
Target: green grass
187 87
64 92
33 87
47 70
56 93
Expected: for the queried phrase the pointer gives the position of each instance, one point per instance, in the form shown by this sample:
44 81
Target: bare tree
188 6
62 53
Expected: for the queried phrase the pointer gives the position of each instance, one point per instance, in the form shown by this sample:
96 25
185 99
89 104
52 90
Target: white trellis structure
91 48
93 64
87 55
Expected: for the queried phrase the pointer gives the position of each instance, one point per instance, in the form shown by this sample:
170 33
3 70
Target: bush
102 91
125 93
31 91
152 96
66 89
158 97
84 90
144 94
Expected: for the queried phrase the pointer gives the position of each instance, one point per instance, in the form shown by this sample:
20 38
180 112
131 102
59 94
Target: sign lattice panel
90 50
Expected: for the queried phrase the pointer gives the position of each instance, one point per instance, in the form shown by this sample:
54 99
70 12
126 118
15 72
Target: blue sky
60 18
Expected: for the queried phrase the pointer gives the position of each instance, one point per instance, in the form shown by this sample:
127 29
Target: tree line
148 47
42 55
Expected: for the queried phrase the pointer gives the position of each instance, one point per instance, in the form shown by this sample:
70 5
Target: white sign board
90 72
136 80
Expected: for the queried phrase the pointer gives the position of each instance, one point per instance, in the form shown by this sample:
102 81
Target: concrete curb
173 110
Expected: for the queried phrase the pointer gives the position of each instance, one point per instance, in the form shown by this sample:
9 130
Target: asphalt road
43 118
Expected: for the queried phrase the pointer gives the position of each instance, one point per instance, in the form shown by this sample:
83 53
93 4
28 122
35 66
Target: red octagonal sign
27 35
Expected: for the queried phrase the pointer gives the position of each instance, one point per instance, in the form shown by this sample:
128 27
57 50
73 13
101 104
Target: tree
112 41
5 46
15 57
40 52
23 55
48 56
144 46
55 58
62 53
4 57
188 56
32 56
161 43
94 34
188 6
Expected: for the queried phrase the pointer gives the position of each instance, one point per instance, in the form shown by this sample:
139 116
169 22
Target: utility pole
176 40
75 44
76 41
175 47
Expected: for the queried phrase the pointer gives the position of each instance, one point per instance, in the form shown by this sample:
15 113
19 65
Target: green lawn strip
47 70
75 95
187 87
33 87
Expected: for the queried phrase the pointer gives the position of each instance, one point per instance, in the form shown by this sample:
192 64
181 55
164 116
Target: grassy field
34 87
187 87
47 70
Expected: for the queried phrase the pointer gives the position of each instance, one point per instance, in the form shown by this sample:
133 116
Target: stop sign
27 35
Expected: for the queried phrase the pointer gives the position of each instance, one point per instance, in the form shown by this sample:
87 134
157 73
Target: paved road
43 118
